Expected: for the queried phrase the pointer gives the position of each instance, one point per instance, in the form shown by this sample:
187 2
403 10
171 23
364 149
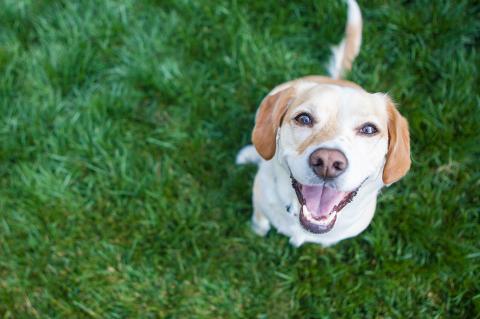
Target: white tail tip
248 154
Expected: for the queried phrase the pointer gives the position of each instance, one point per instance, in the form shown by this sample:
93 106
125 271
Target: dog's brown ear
398 155
268 120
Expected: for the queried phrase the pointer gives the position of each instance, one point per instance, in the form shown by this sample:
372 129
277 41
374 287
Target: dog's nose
328 163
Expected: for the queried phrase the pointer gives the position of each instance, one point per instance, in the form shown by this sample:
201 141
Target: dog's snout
328 163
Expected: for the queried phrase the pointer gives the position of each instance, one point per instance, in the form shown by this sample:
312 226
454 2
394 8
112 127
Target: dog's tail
248 154
346 51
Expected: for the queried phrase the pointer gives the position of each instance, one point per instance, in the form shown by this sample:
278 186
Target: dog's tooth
306 212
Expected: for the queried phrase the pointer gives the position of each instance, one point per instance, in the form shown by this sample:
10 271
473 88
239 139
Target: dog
324 148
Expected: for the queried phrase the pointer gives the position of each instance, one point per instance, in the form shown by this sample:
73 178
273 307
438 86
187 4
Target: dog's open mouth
320 205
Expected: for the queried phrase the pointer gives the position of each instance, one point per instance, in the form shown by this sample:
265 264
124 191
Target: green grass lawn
119 125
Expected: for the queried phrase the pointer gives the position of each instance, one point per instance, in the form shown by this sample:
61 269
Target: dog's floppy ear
398 156
268 120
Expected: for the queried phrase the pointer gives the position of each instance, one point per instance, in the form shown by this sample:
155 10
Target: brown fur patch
269 118
352 39
398 155
326 133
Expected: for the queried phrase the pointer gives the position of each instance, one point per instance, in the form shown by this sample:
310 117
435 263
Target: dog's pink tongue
320 200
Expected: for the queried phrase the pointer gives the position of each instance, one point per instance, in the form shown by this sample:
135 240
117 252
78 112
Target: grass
119 197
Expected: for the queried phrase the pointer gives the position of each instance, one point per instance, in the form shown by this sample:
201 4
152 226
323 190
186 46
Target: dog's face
332 139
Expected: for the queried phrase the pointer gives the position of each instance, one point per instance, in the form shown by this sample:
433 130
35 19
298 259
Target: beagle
324 148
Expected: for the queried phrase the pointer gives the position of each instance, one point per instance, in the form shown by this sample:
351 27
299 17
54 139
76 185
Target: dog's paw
260 228
296 241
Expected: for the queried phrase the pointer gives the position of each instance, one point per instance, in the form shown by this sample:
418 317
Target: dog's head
332 138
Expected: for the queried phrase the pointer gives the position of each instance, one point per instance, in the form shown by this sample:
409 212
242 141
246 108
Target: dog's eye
304 119
368 129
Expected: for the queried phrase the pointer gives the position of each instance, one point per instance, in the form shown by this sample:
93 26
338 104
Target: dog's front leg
260 223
